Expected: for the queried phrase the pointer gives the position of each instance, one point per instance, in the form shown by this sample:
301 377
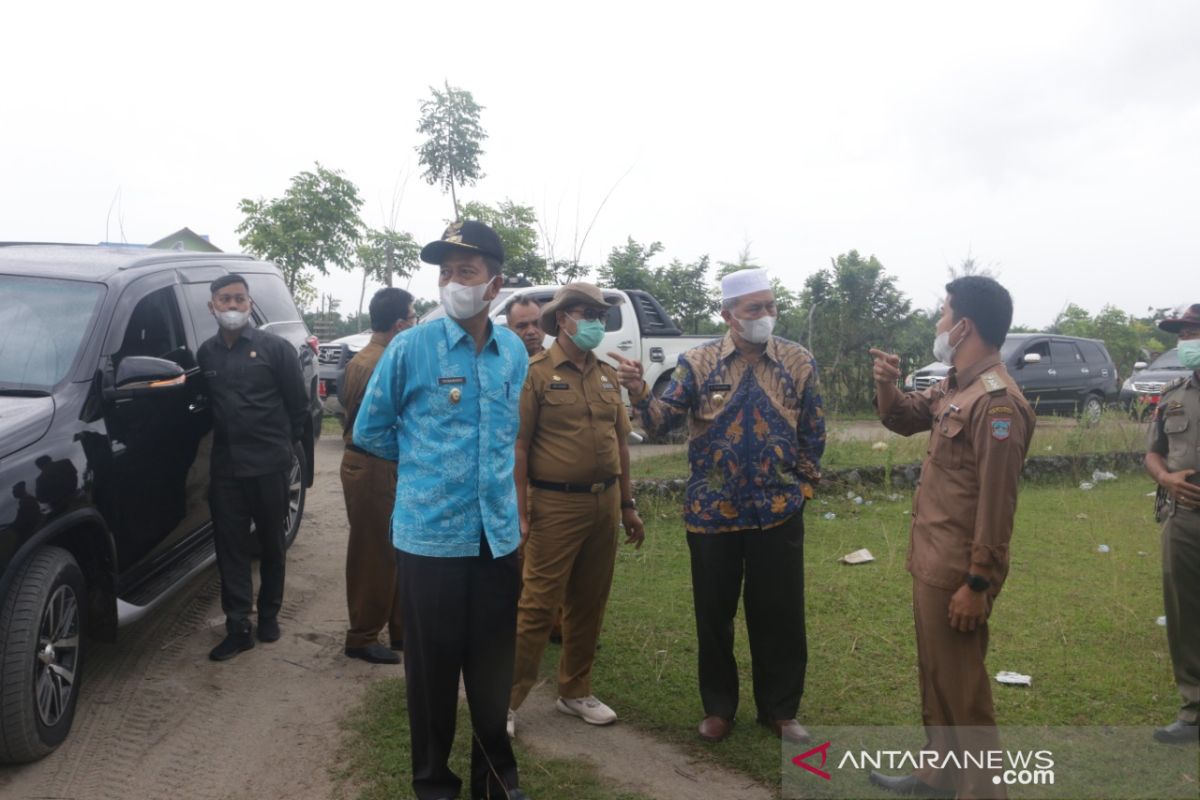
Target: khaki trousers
1181 598
372 591
569 558
956 694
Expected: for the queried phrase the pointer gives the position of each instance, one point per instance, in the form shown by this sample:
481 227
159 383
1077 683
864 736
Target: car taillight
314 343
322 391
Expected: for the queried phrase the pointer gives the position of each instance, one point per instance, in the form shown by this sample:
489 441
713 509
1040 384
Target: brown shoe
787 729
714 728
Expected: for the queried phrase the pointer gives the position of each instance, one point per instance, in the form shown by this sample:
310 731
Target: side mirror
500 320
1032 358
139 375
1138 366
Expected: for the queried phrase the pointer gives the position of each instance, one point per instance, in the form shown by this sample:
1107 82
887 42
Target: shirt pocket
606 409
949 441
1179 433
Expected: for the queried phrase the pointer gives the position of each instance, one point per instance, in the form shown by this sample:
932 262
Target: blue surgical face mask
1189 353
588 333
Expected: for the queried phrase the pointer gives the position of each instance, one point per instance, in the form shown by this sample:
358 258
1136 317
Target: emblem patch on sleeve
1001 428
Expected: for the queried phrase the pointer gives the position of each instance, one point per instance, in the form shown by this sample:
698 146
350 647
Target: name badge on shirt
560 386
450 381
717 392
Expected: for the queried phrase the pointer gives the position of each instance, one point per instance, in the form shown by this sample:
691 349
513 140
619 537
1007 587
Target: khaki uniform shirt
1175 431
963 508
354 380
573 421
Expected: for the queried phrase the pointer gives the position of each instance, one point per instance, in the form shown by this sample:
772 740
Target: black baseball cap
466 235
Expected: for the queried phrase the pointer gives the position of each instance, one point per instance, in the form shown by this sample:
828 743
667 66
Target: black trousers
772 562
235 503
460 617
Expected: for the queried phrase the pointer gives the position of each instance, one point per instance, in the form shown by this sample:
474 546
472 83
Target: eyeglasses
590 314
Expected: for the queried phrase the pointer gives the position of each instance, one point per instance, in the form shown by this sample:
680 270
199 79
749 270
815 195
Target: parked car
639 329
1141 391
105 438
1064 375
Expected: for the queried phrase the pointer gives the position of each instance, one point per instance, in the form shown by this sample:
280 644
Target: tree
971 266
681 288
852 306
315 224
629 267
516 225
450 154
385 254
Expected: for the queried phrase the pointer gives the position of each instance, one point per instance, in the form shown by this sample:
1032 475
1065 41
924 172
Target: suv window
1093 353
1064 352
1042 348
271 298
155 329
197 296
44 322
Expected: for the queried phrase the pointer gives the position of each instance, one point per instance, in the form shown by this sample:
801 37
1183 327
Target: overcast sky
1058 142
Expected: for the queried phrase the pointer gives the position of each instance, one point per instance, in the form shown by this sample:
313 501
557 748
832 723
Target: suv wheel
296 494
1093 407
41 655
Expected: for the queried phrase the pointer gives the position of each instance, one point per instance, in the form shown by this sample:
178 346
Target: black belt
574 488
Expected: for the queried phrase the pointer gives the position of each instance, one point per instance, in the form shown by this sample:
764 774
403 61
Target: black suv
1058 374
105 438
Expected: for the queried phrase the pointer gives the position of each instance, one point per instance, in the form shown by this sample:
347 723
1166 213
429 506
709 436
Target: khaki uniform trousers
956 694
372 591
569 558
1181 598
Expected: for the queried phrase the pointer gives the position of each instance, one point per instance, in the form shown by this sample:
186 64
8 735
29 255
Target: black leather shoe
236 641
397 644
373 653
906 785
268 630
1178 732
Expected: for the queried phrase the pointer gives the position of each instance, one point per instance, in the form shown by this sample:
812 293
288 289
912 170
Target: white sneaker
511 725
589 709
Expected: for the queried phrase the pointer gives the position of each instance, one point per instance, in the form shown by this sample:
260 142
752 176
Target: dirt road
157 719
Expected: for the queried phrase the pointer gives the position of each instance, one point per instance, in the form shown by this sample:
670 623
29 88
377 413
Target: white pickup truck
639 329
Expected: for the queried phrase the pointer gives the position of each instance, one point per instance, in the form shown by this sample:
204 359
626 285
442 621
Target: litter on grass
1098 476
1142 553
879 446
1103 549
1081 516
1014 679
830 515
1087 486
857 557
1162 622
858 501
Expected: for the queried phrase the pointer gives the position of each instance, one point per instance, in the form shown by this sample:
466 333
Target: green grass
375 756
1080 622
1052 436
331 426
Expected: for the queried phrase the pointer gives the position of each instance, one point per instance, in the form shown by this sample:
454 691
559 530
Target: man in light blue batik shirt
444 404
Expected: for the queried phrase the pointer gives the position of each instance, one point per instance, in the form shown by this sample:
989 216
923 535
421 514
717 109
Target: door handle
1051 372
625 345
1085 371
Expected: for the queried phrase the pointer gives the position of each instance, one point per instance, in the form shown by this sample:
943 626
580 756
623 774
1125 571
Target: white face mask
464 302
943 351
232 320
757 331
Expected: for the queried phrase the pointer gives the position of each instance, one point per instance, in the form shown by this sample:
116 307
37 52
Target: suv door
1067 368
151 474
1036 380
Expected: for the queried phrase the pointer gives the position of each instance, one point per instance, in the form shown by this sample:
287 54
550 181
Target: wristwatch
629 504
978 583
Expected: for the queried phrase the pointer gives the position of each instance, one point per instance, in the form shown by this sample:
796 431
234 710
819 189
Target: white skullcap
744 281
